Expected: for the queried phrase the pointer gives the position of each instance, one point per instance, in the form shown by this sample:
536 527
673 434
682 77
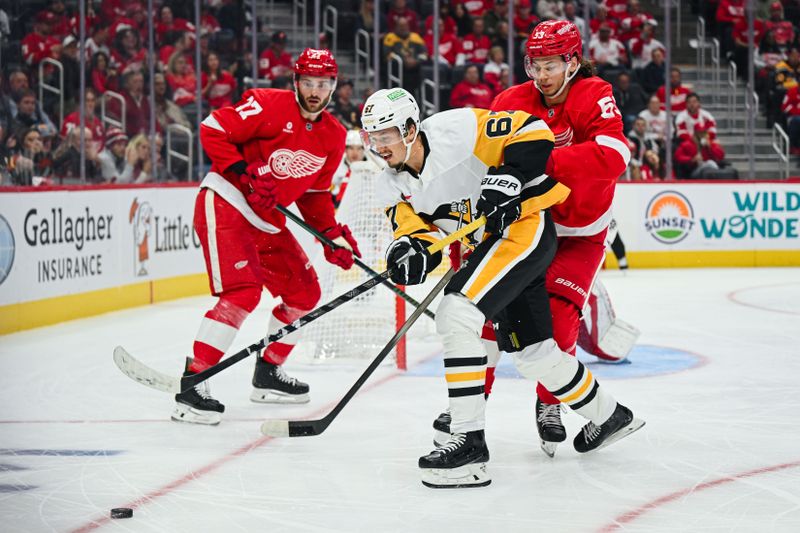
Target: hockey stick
308 428
365 267
138 371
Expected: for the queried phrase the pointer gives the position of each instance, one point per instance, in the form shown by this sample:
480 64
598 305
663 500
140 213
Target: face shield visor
550 68
376 140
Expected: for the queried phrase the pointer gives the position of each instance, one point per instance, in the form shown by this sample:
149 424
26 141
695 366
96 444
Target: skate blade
440 438
635 425
467 476
549 448
184 413
273 396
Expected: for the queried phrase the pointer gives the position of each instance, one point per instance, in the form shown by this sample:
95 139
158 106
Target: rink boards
67 253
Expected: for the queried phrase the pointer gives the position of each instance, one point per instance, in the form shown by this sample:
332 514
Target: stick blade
138 371
275 428
291 428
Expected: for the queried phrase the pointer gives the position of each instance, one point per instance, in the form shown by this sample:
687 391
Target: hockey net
363 326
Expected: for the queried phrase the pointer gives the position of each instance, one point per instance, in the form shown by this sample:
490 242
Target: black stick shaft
308 428
326 241
190 381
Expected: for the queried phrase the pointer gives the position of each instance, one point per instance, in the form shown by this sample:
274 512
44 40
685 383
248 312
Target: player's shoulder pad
516 97
586 92
387 192
273 97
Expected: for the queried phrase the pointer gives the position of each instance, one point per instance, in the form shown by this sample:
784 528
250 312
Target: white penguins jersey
462 146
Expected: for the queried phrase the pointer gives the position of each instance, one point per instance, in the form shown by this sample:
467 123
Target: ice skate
441 429
272 385
196 405
458 463
621 424
548 424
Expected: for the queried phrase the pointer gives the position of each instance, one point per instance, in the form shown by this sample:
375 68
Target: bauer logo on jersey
669 217
289 164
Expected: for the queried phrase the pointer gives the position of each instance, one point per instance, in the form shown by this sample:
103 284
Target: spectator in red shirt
449 45
783 30
90 119
179 42
524 19
400 10
40 43
128 53
600 18
444 14
631 23
471 91
61 26
275 61
169 23
616 8
474 8
698 156
181 80
208 22
729 12
104 78
475 46
218 85
679 92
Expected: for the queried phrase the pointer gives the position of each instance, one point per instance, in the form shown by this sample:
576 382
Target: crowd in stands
472 58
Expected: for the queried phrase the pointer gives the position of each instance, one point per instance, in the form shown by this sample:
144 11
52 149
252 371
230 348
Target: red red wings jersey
590 153
266 125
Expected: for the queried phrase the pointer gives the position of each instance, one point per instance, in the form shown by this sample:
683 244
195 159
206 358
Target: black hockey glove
500 200
409 261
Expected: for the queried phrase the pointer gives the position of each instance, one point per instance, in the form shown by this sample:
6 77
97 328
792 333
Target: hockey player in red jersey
273 147
590 153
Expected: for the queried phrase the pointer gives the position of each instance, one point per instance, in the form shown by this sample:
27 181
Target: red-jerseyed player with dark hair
274 146
590 154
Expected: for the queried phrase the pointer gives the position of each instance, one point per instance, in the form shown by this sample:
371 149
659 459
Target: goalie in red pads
273 147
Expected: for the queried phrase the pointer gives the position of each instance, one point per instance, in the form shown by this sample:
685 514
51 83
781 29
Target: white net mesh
363 326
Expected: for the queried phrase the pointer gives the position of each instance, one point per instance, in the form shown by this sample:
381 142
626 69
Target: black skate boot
196 404
458 463
548 424
272 385
441 429
620 424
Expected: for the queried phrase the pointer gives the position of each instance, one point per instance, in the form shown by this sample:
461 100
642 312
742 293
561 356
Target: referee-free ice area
714 374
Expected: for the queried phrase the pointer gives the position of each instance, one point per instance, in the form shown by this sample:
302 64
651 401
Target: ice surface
715 375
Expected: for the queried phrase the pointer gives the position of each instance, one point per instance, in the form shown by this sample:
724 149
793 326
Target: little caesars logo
157 233
669 217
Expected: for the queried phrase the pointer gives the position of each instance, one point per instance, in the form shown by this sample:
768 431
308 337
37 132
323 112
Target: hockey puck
121 512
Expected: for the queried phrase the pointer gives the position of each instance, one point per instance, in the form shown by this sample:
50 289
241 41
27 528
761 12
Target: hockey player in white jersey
443 173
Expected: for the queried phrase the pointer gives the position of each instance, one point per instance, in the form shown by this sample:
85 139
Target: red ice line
192 476
626 518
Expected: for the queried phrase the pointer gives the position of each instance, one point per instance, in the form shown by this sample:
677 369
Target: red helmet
313 62
555 38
